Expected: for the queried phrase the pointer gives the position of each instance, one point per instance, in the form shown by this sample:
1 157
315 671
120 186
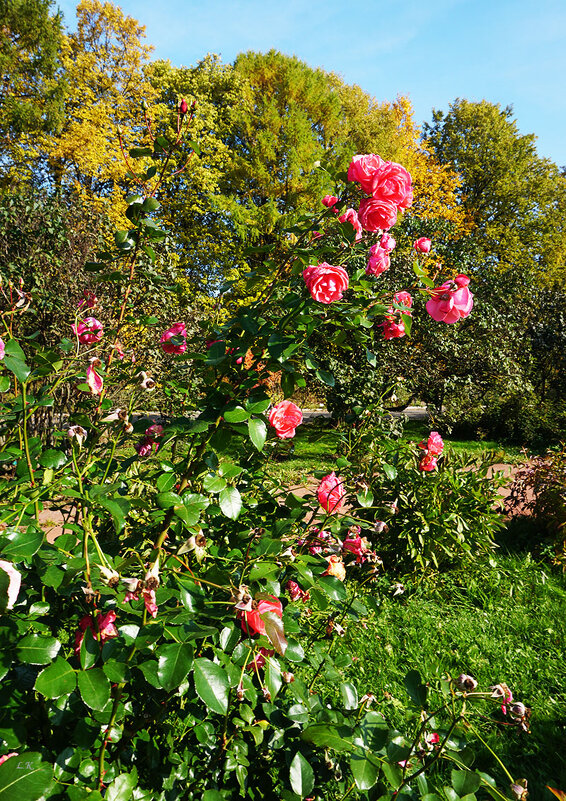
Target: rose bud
466 683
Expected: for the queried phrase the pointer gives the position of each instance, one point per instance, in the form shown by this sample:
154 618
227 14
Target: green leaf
24 777
4 383
333 587
33 649
94 687
294 652
121 789
415 687
52 458
301 775
17 367
57 679
230 502
364 771
212 685
465 781
175 661
365 499
213 484
326 377
326 736
12 348
140 152
257 406
258 432
390 471
236 415
118 508
150 204
167 499
273 680
349 695
371 357
166 482
420 273
17 545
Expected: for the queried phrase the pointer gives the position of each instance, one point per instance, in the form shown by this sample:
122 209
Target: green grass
503 622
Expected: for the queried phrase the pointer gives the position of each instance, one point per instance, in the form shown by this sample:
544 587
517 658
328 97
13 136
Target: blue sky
511 52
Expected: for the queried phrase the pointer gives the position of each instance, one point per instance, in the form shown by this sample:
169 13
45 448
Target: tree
31 81
515 198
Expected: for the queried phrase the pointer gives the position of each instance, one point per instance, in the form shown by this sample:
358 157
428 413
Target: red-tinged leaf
275 632
558 793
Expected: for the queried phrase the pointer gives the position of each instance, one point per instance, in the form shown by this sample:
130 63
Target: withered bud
145 381
152 576
128 428
466 683
109 576
77 434
287 677
132 585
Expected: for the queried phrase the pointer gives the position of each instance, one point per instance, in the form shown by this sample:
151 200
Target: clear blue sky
511 52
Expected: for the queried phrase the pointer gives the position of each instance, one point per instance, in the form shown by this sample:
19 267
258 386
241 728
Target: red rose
325 282
285 417
252 622
177 331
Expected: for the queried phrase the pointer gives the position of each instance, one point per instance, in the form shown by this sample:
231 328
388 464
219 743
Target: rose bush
151 652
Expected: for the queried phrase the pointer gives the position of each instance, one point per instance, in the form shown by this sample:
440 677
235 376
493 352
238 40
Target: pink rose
379 261
325 282
329 201
364 169
93 379
403 299
285 417
2 348
393 183
387 243
351 216
154 431
451 301
375 214
422 245
104 629
177 331
149 601
144 448
4 757
252 621
88 331
434 444
331 493
428 462
393 329
14 583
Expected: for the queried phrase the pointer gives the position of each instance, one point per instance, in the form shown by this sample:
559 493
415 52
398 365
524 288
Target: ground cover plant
179 640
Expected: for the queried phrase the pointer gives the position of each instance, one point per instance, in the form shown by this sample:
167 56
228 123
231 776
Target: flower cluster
389 185
431 449
393 325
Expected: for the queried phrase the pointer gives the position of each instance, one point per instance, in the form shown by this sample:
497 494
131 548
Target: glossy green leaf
118 508
273 680
57 679
301 775
333 587
17 544
213 483
24 777
326 377
230 502
349 695
465 781
236 415
258 432
212 685
326 736
364 770
17 367
4 383
94 687
52 458
34 649
121 789
175 661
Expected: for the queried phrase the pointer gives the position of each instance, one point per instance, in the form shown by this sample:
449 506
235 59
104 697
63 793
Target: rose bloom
336 567
331 493
252 622
93 379
88 331
14 582
387 243
393 329
375 214
176 330
403 299
364 169
434 444
351 216
285 417
428 462
422 245
451 301
329 201
379 261
325 282
105 625
393 183
2 348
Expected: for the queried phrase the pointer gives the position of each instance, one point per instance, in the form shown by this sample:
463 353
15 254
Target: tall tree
515 198
31 81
